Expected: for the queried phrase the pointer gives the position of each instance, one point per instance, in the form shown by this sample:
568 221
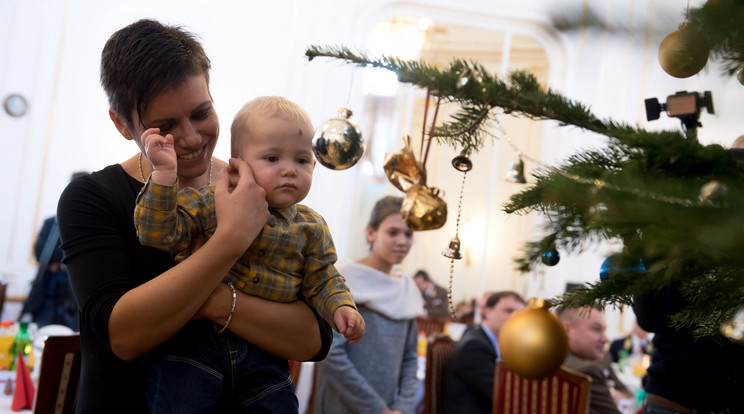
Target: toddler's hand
349 323
161 152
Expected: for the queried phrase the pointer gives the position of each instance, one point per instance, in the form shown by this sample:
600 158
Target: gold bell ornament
683 52
402 169
338 144
463 164
423 209
453 250
533 342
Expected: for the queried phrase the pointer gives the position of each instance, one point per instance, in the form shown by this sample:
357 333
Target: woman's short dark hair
145 59
384 207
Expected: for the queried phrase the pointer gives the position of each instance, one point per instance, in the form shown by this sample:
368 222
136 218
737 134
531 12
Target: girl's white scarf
394 297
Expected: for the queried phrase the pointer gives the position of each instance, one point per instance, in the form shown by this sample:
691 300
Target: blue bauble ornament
617 263
551 258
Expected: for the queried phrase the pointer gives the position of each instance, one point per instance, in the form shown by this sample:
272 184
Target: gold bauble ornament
740 73
423 209
533 342
402 169
338 143
683 52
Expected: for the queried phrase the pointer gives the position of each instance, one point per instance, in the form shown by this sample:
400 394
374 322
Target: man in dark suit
467 380
435 296
585 328
637 343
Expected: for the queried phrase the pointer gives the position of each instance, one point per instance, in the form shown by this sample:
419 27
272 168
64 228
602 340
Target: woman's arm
287 330
147 315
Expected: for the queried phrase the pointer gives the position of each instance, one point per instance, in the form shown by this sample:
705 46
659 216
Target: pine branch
522 96
720 23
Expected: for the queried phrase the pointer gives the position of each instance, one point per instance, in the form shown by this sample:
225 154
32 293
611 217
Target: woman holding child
133 298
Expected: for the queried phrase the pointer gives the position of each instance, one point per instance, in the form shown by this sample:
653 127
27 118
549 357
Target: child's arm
323 288
164 217
349 323
162 155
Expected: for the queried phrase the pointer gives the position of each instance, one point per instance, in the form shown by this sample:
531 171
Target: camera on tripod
683 105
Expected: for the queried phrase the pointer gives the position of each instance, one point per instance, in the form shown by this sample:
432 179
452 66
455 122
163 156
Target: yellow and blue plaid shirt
292 258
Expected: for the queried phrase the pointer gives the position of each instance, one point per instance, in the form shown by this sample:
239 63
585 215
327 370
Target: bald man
585 328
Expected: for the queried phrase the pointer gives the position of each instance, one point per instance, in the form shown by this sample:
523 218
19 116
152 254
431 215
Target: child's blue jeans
202 371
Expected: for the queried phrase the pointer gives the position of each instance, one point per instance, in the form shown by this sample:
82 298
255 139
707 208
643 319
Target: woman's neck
140 168
377 264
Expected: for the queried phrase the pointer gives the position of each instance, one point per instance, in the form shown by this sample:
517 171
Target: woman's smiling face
186 112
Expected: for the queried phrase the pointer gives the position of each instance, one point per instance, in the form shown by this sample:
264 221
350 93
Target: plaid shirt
292 258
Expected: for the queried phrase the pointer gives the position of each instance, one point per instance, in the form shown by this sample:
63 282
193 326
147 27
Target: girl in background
377 375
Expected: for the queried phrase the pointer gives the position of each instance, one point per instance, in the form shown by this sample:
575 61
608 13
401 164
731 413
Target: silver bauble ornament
338 143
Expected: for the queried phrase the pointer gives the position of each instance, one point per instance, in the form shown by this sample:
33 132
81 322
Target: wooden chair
59 376
3 294
429 325
438 350
566 392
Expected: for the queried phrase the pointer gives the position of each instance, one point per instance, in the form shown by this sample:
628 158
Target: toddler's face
280 153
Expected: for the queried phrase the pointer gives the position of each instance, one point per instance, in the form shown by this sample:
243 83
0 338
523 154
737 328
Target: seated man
586 342
636 343
467 380
436 303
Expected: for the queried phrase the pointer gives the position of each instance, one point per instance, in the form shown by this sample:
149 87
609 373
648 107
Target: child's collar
287 213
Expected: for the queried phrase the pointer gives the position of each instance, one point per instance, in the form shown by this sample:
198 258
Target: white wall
50 52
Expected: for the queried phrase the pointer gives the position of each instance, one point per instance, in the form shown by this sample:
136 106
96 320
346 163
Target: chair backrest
3 292
59 376
438 350
566 392
429 325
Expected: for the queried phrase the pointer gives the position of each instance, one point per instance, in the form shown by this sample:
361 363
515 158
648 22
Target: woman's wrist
233 302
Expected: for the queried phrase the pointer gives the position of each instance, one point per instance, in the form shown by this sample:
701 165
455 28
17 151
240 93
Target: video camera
683 105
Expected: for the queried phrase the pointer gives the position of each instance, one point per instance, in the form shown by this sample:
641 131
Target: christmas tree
675 204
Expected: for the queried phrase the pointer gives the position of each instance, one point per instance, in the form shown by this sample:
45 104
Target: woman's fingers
240 203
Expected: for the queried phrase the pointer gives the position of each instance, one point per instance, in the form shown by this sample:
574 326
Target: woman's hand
216 307
240 205
286 330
